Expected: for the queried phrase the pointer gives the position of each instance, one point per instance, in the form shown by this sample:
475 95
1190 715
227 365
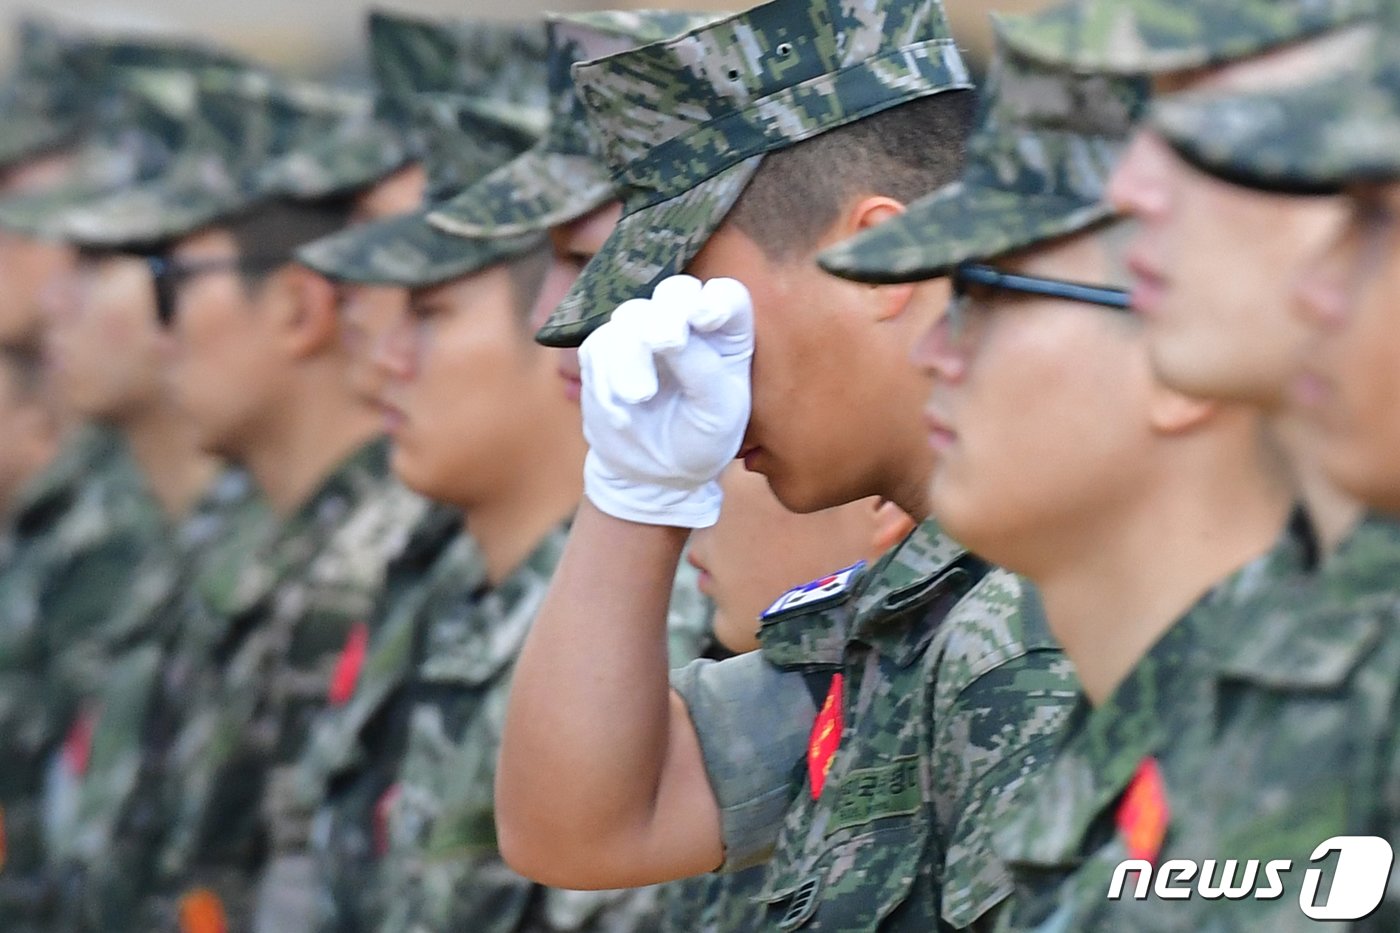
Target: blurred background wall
319 37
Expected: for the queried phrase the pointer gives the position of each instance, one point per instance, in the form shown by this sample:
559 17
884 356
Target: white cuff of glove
649 504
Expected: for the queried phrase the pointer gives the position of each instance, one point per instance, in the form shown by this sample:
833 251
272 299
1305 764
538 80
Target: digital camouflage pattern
276 631
1037 168
148 97
440 868
684 123
1335 130
74 537
1269 710
714 903
953 694
564 176
243 121
1149 36
95 834
464 139
43 103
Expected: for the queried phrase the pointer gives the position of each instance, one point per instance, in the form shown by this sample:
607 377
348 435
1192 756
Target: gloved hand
666 401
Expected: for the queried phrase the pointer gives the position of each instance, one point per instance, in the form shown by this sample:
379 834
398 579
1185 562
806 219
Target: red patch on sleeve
347 667
201 911
825 737
1143 813
77 745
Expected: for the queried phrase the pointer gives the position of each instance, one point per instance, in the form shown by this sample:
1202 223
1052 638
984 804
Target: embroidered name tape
816 591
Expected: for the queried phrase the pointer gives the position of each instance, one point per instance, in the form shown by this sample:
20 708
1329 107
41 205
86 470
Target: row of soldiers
328 605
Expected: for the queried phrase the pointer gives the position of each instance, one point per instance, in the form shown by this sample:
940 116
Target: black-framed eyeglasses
971 273
169 275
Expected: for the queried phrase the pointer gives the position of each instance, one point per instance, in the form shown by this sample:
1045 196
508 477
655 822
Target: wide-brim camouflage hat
41 214
564 176
406 251
685 123
1037 168
362 151
1154 36
155 212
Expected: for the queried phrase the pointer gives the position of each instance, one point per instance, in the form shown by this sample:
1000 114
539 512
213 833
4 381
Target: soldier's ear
862 213
312 322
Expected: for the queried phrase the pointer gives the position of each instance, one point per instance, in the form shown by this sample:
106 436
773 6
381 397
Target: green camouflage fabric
92 786
465 138
243 121
714 903
1338 129
43 103
1151 36
953 694
439 868
146 108
477 58
684 123
75 535
1269 711
564 176
1037 168
277 628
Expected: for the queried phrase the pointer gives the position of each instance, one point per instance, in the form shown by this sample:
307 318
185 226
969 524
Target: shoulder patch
817 591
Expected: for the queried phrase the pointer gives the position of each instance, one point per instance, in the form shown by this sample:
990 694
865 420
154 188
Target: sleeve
753 721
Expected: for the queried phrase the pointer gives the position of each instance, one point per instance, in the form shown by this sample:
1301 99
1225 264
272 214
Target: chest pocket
863 854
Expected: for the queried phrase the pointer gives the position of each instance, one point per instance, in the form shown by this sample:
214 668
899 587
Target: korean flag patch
815 592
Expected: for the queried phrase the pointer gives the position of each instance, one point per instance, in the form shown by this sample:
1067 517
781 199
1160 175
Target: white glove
666 401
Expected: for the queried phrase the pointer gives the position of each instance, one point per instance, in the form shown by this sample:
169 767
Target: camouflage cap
243 120
684 123
465 139
1342 128
564 176
1037 167
42 103
146 103
1151 36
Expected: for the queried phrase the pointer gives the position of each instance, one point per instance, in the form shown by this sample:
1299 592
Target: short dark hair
277 229
903 152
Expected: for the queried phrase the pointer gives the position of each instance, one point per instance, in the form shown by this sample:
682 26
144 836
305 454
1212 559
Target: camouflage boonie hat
564 176
43 102
1037 168
1151 36
684 123
243 120
410 57
1342 128
147 101
465 139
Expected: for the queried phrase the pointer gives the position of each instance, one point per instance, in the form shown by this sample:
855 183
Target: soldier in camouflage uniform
410 822
274 624
892 709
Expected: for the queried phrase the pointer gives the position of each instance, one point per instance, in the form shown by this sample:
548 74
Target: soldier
243 314
745 147
1278 731
564 187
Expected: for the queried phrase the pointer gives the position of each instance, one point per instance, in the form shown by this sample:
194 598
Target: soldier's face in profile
571 246
29 266
1350 381
1213 263
227 364
465 367
835 402
368 314
106 350
1041 410
758 550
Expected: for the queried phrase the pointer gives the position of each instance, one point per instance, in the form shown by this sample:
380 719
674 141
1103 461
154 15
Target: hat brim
958 223
647 245
155 212
406 251
29 135
42 213
537 190
1314 140
1153 36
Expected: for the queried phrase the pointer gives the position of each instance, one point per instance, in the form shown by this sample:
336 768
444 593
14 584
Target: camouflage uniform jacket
95 833
1268 714
950 693
274 633
77 534
441 869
